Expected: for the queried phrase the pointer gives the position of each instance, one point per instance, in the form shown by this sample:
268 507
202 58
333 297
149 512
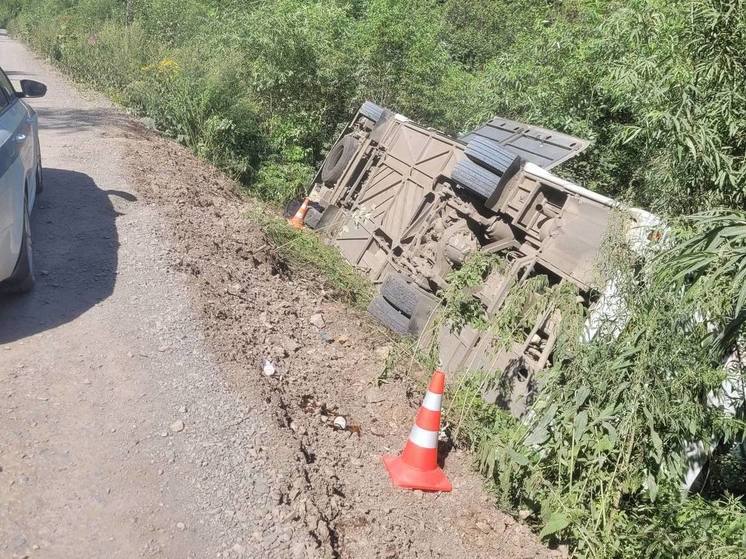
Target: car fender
16 162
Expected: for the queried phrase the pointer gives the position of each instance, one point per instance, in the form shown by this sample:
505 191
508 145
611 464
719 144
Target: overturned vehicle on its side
407 205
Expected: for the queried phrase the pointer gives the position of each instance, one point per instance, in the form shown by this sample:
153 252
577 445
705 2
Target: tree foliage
657 85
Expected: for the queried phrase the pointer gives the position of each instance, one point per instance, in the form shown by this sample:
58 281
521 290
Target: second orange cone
300 215
417 466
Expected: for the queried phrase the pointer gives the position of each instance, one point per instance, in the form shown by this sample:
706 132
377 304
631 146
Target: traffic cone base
404 475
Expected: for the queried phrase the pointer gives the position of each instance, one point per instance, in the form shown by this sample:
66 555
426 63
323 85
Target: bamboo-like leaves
714 253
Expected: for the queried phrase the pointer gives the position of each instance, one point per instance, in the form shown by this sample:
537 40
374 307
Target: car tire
388 315
371 111
400 294
476 179
39 178
339 156
22 279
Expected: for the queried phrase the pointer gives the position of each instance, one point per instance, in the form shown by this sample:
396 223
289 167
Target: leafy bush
656 85
601 457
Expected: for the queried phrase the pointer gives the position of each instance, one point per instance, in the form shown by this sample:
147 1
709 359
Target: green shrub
663 107
601 457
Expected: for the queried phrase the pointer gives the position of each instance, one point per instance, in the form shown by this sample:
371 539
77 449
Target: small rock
264 319
177 426
279 351
180 525
484 527
340 423
183 409
523 514
291 345
326 336
383 351
374 395
317 320
377 430
322 531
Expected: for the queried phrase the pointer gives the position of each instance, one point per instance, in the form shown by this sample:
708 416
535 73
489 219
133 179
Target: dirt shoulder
252 306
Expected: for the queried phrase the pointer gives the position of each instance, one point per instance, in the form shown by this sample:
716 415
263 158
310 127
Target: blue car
20 182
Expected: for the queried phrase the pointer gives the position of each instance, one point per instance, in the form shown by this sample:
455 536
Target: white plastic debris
340 423
269 368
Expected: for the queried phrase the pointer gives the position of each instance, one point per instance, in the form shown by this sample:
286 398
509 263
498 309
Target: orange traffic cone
297 220
417 466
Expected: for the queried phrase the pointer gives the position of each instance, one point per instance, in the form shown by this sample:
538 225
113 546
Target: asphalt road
117 436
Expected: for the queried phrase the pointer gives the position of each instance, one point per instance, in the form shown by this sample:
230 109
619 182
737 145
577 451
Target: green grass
305 251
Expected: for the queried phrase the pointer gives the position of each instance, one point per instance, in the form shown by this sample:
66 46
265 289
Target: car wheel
313 217
339 156
22 279
493 157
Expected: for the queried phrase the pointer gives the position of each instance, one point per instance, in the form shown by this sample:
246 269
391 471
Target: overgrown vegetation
602 456
261 87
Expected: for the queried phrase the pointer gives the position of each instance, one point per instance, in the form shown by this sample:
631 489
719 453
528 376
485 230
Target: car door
16 162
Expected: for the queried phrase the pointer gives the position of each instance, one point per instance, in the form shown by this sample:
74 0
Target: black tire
493 156
400 294
338 158
388 315
475 178
39 178
22 279
371 111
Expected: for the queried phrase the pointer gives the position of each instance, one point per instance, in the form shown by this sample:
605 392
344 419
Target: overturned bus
406 205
